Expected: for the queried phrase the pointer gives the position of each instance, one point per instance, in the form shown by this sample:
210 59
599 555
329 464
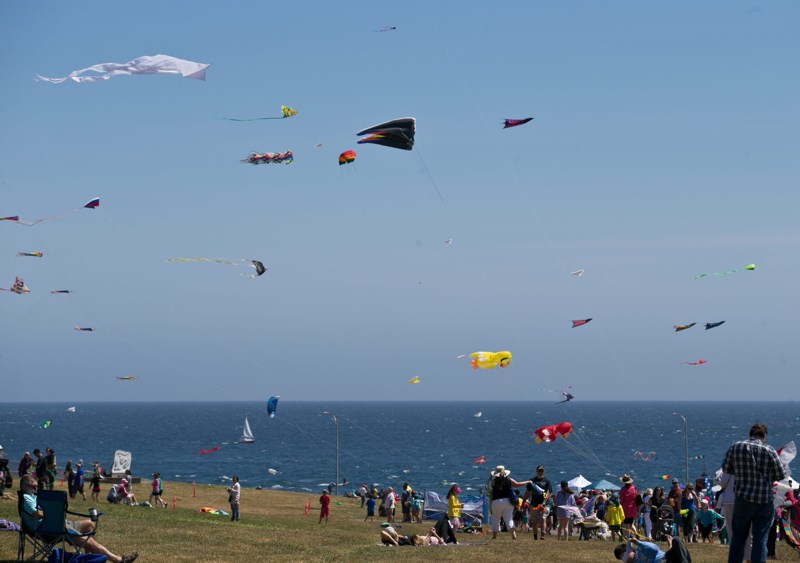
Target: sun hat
501 471
626 479
385 525
123 481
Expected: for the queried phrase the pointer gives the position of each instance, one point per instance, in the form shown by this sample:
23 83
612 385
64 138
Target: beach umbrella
578 483
604 485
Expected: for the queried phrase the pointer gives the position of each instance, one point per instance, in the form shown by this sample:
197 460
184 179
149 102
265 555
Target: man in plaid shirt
756 466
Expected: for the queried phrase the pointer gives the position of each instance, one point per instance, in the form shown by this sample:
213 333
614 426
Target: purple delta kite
91 204
515 122
580 322
713 325
679 328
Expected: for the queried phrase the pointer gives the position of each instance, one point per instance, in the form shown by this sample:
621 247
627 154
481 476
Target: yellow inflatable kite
490 360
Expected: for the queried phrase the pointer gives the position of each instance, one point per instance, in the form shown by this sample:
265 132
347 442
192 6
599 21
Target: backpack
112 497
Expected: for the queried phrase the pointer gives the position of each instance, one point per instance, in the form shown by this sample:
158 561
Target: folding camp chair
52 531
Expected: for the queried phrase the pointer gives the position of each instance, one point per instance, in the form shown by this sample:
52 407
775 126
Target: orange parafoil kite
347 157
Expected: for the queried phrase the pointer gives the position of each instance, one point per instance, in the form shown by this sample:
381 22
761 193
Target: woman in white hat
503 499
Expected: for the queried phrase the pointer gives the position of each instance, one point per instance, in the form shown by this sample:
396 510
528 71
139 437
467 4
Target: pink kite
580 322
697 363
480 460
209 450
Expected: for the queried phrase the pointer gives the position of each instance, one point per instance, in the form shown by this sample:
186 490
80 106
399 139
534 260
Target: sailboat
247 434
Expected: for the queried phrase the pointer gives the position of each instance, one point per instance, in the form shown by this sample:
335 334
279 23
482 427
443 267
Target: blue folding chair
52 531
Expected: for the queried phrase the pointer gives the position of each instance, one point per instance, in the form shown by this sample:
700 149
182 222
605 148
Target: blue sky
664 145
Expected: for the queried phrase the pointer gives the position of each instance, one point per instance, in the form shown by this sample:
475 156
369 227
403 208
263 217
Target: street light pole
336 422
685 444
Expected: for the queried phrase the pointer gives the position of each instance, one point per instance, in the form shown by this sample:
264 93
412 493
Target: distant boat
247 434
71 409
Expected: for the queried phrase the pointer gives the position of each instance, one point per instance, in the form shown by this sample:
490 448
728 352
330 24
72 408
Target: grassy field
274 528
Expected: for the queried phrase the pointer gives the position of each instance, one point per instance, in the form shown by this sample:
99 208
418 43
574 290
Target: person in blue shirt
637 551
370 509
32 516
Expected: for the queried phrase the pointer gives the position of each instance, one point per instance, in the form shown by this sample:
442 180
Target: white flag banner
155 64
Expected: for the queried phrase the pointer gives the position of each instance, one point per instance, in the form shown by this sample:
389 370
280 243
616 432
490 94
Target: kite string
428 172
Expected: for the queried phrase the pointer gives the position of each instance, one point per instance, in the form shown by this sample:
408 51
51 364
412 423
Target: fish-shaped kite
285 112
151 64
93 203
31 254
748 267
490 360
679 328
386 28
713 325
697 363
414 380
18 287
515 122
125 378
580 322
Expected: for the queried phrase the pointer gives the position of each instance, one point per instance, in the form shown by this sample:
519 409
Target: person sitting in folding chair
78 533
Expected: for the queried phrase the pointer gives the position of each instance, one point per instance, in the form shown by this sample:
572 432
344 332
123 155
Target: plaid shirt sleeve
756 466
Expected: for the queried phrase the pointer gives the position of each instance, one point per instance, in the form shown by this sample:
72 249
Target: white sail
247 434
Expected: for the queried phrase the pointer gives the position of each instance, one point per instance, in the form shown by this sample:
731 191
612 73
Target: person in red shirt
324 507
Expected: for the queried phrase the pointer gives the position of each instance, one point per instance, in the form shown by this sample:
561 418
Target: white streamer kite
153 64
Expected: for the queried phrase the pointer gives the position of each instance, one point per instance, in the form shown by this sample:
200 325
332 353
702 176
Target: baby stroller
665 520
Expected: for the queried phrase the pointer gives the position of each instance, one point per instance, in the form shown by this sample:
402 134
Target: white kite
576 273
154 64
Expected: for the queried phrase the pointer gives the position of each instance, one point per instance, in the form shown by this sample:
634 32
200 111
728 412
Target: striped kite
31 254
347 157
270 158
125 378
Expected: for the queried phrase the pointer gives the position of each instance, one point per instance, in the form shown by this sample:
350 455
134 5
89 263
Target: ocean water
428 444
